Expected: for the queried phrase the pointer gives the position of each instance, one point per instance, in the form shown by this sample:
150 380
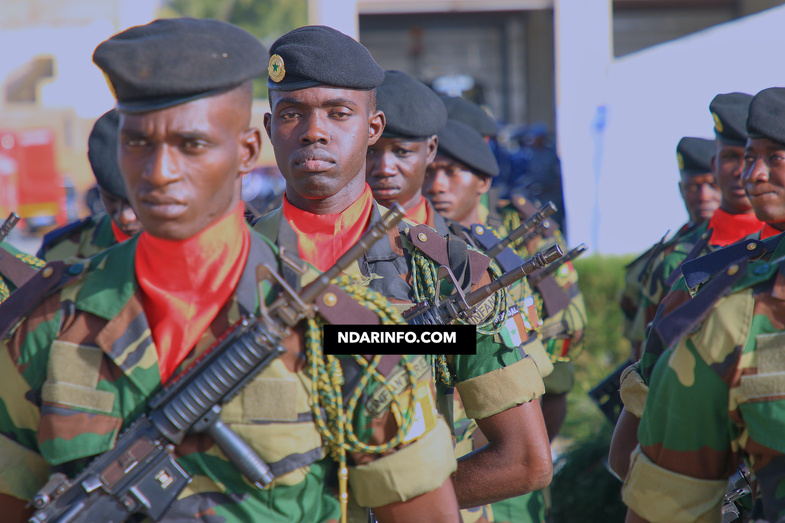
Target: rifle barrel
537 218
538 261
8 224
571 255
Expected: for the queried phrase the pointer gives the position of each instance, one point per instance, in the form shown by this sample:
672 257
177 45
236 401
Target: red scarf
119 235
768 231
323 238
186 283
730 228
419 213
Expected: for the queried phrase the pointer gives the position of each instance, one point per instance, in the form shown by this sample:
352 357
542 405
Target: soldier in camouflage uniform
715 394
327 200
731 222
94 234
456 179
395 169
105 334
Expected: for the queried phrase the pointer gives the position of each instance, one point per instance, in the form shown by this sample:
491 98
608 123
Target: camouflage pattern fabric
81 239
715 397
6 285
83 364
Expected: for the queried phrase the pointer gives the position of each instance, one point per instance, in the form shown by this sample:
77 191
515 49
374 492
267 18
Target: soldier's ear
485 184
250 148
433 146
376 123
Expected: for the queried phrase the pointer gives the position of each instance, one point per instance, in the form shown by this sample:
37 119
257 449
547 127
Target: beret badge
717 123
680 158
276 69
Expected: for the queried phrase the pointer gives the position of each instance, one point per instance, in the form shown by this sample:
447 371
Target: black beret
411 108
766 117
102 153
177 60
694 155
730 114
319 55
462 143
468 112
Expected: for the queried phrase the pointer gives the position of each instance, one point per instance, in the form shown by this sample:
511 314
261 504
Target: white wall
653 97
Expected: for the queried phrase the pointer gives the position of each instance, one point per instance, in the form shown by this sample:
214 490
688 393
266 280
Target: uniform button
733 269
761 269
75 268
478 229
422 237
329 299
752 246
47 272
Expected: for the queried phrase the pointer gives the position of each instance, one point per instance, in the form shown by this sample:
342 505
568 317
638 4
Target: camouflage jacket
716 395
16 268
81 239
82 365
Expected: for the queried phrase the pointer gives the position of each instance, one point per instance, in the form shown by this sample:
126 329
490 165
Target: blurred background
605 87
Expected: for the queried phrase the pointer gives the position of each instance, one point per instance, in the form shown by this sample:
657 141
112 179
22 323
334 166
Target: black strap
458 254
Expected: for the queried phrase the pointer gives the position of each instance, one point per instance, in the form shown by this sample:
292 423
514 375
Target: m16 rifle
461 306
140 474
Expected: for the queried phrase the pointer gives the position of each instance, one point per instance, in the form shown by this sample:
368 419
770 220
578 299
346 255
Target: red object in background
29 181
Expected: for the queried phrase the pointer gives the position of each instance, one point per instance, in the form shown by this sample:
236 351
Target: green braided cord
31 260
5 292
441 370
327 378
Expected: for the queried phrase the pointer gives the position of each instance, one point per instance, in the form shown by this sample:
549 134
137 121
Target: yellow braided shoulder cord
336 425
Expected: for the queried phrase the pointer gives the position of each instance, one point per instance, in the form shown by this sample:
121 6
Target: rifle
523 229
8 224
460 306
571 255
140 474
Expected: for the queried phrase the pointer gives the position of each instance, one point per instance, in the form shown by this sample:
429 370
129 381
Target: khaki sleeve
662 496
501 389
413 470
22 471
633 391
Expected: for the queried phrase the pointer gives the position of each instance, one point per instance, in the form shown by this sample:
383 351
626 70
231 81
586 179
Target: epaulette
701 270
22 301
694 254
63 232
449 253
691 313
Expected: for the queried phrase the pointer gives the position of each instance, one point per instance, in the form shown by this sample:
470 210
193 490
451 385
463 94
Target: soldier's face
121 213
183 165
320 136
701 196
764 180
727 164
454 190
395 169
